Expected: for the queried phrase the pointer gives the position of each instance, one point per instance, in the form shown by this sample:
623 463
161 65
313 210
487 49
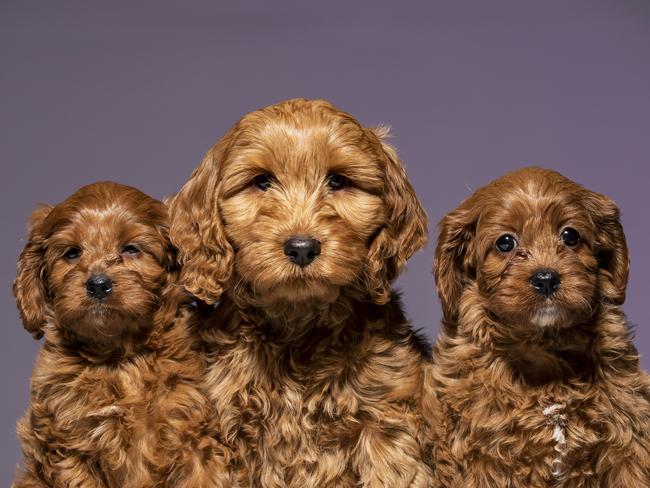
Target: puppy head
95 264
542 249
297 201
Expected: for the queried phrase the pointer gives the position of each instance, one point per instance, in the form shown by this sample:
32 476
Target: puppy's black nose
99 286
302 250
545 282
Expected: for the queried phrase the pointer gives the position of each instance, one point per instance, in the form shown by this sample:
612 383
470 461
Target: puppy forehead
97 226
297 146
532 209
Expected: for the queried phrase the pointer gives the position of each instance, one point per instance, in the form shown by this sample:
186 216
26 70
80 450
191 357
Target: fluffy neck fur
314 325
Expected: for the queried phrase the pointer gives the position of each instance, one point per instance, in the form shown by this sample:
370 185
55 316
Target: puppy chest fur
496 436
324 412
485 438
90 418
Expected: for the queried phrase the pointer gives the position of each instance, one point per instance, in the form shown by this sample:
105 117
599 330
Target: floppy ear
157 213
610 246
453 265
196 229
169 259
29 286
405 230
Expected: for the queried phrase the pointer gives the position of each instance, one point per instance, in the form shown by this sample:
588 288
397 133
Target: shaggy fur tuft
115 397
529 390
315 373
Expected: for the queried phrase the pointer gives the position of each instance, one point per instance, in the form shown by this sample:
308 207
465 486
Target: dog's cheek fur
137 285
258 223
512 298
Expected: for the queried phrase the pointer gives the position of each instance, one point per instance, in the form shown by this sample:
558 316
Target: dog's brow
136 230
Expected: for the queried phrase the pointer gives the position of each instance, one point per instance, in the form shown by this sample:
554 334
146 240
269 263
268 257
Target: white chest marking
555 416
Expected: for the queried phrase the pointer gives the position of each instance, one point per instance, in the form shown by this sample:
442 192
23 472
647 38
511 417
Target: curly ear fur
196 229
610 246
170 260
405 231
453 265
29 286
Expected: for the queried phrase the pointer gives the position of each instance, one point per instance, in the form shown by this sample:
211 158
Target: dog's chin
299 292
543 316
549 315
105 324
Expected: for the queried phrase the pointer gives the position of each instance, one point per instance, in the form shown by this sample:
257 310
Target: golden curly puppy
115 400
536 382
301 217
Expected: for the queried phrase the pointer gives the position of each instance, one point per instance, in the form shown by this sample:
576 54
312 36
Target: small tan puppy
115 397
536 382
297 222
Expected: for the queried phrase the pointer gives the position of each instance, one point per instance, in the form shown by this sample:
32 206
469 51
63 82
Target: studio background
136 92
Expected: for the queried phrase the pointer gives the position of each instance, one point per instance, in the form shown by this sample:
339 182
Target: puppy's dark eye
263 182
130 250
72 253
506 243
570 237
337 182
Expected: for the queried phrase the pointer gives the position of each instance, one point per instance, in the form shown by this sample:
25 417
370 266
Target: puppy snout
302 250
99 286
545 282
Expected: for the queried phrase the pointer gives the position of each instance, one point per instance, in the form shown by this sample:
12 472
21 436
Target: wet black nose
302 250
99 286
545 282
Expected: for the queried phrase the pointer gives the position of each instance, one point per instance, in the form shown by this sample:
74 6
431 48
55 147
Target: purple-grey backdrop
137 91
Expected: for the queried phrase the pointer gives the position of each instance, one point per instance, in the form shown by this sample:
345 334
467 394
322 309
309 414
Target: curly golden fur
115 397
536 388
314 371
